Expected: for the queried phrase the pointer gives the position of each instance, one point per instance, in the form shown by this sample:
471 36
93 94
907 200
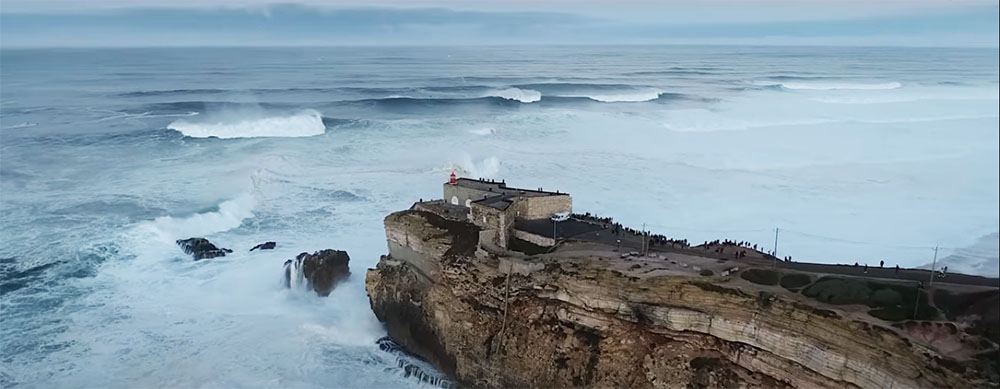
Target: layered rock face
578 318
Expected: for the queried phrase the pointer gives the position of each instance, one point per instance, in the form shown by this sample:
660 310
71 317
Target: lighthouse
452 180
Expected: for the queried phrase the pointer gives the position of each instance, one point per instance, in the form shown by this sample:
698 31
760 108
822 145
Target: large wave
230 214
305 123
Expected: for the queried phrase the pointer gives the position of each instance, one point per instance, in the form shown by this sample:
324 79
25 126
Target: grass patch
761 276
983 305
891 302
839 291
900 313
795 280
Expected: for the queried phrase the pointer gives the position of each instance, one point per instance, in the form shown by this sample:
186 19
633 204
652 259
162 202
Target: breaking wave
522 95
305 123
230 214
625 97
835 86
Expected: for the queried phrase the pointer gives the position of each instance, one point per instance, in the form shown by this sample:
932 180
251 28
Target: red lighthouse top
452 180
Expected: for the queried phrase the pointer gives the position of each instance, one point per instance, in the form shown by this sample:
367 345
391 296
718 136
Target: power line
850 241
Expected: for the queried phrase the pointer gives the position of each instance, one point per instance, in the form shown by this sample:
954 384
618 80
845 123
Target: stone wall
543 207
460 195
489 218
543 241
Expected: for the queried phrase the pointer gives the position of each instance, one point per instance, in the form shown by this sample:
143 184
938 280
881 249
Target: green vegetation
839 291
795 280
892 302
982 305
885 298
900 313
761 276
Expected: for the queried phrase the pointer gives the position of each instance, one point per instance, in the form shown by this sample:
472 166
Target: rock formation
320 271
201 248
265 246
582 316
410 365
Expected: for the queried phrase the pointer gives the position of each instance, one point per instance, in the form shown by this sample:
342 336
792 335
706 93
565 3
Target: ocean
107 156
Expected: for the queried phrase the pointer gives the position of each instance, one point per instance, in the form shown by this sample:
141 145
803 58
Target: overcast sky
115 23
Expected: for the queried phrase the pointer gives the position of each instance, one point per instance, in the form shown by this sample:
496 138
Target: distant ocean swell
524 93
827 85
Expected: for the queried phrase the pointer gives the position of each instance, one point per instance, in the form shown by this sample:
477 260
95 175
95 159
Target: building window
454 200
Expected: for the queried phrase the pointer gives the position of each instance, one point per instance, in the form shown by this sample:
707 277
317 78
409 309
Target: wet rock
410 365
201 248
321 271
265 246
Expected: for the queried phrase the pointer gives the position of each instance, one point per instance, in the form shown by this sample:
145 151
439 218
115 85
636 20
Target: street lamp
556 218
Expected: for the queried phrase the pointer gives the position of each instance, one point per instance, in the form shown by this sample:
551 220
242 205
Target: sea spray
412 365
302 124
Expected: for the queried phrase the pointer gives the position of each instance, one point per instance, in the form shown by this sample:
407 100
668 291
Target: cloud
256 23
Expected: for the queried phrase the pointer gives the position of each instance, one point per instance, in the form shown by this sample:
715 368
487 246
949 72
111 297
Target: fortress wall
487 241
544 207
463 194
534 238
494 219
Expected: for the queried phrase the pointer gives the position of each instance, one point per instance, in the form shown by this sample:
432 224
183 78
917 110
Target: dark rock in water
201 248
265 246
408 363
322 270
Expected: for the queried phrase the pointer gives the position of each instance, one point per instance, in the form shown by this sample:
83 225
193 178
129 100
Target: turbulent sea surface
108 156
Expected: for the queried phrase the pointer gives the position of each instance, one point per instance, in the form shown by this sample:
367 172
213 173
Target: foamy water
853 163
237 125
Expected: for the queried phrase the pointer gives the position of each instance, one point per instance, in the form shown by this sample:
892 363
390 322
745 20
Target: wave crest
625 97
230 214
835 86
517 94
304 123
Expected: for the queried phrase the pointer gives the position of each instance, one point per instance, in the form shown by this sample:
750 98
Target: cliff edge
584 315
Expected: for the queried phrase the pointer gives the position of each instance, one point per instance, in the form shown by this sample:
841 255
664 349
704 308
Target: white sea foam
622 97
484 131
834 85
20 125
522 95
304 123
230 214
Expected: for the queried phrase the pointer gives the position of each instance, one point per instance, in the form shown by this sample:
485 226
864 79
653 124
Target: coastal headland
506 287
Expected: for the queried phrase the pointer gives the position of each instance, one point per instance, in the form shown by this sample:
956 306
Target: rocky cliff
582 316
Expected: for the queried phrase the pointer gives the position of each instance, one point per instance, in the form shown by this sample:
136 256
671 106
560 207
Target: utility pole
933 266
644 240
916 305
775 247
